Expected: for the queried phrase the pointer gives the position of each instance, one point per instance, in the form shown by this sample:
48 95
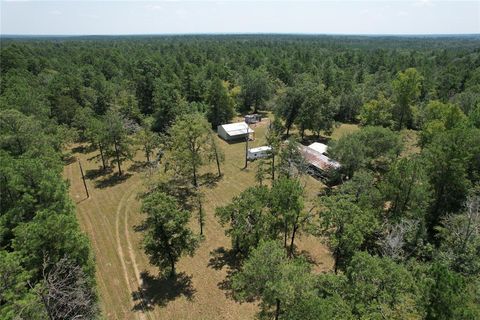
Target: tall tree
117 136
247 219
256 89
97 134
374 148
166 100
447 158
167 236
216 154
407 88
287 207
221 104
346 226
147 139
190 145
377 112
268 275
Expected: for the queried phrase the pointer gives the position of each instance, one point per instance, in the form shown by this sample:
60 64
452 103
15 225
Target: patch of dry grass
129 287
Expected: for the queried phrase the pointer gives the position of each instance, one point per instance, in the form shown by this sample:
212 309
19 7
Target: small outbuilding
253 118
234 131
259 152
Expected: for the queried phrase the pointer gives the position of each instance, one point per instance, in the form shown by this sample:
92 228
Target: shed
253 118
234 131
259 152
319 147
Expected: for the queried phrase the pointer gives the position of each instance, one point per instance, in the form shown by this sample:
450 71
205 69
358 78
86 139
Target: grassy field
129 287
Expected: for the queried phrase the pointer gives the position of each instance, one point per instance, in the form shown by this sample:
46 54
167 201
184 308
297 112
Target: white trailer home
234 131
259 152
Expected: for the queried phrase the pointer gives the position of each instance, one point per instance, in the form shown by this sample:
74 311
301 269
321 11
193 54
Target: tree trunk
273 167
147 154
277 310
117 154
218 162
172 268
295 228
200 216
335 261
102 156
285 230
194 167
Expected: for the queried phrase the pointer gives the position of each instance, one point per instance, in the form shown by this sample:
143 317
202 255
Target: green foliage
256 89
167 236
407 88
247 218
373 148
377 112
460 235
105 88
447 158
292 164
148 140
117 137
221 104
440 117
268 275
191 145
450 297
379 288
346 226
287 207
53 235
166 99
315 112
406 190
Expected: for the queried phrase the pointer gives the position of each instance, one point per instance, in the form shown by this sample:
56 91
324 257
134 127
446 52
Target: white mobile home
260 152
234 131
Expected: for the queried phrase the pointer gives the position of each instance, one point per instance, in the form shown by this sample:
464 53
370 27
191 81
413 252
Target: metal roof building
318 160
234 131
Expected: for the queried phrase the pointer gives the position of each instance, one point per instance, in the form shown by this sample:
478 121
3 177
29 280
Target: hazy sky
167 17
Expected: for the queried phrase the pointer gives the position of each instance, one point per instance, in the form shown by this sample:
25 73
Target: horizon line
233 33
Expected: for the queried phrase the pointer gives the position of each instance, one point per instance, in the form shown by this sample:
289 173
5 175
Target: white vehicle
259 152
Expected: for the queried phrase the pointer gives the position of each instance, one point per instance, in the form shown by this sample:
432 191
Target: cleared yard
129 287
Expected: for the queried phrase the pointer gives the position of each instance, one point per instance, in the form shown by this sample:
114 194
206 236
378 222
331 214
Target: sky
70 17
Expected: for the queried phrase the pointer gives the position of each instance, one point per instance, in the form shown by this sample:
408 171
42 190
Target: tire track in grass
86 222
131 254
120 253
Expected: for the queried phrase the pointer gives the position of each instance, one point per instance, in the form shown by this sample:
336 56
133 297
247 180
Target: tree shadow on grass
209 179
222 257
112 180
160 290
83 149
138 166
93 174
309 139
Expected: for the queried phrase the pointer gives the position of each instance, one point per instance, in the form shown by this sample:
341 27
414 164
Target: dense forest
402 222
